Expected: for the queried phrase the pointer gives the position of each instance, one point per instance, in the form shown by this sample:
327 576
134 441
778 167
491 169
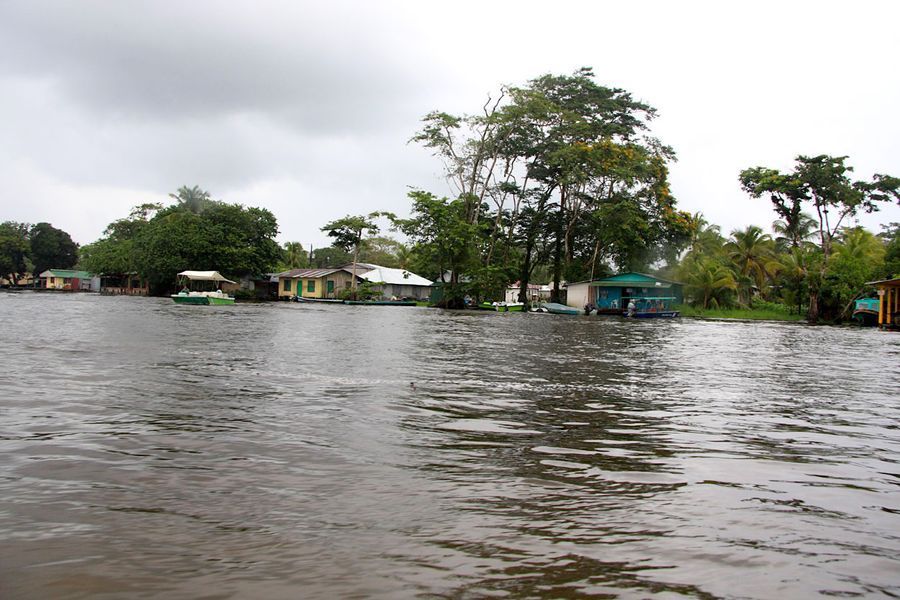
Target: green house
606 295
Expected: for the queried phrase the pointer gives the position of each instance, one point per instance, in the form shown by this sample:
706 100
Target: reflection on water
283 451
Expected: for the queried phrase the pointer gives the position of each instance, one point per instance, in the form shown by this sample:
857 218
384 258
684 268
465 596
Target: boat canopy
204 276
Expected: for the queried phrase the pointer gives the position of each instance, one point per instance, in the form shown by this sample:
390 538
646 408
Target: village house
314 283
536 293
69 280
395 284
123 284
607 294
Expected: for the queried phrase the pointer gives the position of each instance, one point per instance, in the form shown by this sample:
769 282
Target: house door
329 288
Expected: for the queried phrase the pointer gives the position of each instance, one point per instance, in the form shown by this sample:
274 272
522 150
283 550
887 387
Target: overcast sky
305 108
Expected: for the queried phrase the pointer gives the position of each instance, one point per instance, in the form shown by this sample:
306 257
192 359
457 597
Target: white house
394 283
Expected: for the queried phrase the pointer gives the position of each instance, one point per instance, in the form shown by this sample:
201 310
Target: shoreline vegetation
770 312
556 180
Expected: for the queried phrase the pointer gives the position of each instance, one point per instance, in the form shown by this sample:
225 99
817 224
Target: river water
283 451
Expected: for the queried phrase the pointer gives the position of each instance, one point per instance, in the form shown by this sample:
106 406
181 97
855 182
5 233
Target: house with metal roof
69 280
314 283
395 283
606 295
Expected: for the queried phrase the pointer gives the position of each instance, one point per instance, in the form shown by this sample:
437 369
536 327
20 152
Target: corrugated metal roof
64 273
394 277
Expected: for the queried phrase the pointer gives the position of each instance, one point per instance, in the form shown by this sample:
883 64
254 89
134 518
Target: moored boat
865 311
560 309
502 306
656 307
192 292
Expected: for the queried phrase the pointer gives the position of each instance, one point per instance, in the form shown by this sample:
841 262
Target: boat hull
201 300
560 309
661 314
502 307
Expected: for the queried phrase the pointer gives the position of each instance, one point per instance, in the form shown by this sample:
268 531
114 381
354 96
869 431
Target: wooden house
610 295
889 303
69 280
314 283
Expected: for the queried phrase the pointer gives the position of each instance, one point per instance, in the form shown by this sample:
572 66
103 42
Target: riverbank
768 312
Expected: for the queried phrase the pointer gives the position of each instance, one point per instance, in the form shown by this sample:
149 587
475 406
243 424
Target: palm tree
294 255
796 234
753 255
192 199
857 243
707 281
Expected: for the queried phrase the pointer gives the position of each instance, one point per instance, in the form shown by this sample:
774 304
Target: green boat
865 311
502 306
196 288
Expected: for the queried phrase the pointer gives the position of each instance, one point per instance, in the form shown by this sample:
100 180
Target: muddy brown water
283 451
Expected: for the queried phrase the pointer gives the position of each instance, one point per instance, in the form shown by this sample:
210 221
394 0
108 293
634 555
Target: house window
287 285
311 285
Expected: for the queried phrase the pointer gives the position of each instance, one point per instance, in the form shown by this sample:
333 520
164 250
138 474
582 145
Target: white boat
194 280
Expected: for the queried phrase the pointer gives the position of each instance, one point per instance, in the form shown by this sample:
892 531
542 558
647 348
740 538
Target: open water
299 451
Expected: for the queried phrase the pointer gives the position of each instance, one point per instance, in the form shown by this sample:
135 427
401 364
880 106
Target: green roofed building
67 279
607 294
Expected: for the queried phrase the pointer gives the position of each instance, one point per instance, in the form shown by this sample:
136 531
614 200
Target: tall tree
51 248
348 234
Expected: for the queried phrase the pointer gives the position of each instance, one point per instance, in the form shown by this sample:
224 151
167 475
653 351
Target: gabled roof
66 273
393 276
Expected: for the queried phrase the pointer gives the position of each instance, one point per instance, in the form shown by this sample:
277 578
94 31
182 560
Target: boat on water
560 309
202 287
320 300
655 307
865 311
502 306
381 302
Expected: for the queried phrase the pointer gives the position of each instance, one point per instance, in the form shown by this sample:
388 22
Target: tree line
556 180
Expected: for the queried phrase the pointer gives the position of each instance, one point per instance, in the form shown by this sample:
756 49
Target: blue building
611 294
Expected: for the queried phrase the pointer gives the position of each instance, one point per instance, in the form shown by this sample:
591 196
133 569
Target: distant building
69 280
123 284
611 294
333 283
394 283
536 293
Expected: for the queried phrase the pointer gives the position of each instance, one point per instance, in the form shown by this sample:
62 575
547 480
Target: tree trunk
557 259
812 314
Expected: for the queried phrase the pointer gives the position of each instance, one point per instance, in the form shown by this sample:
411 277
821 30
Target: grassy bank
767 311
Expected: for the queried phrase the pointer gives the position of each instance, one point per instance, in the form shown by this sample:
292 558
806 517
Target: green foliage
328 257
557 176
443 241
891 237
293 256
195 233
51 248
824 184
14 250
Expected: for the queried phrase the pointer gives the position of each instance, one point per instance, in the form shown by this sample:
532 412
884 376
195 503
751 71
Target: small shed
606 294
889 303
